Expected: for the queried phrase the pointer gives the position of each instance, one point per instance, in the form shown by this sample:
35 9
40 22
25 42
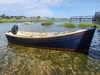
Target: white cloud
9 1
29 7
40 12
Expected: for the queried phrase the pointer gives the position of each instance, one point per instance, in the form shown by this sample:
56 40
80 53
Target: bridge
81 18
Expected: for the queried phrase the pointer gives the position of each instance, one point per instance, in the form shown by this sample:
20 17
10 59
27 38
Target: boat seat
51 33
61 32
19 33
43 34
65 32
28 33
36 34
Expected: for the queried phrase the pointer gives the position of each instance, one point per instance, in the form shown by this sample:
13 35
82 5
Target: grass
6 20
86 24
21 20
68 24
46 23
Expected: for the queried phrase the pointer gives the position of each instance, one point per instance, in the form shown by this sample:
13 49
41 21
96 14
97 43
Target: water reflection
95 47
21 60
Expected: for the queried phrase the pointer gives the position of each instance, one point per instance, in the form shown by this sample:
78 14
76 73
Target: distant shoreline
20 20
26 20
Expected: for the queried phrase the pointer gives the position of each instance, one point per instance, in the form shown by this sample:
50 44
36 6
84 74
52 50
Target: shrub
97 25
46 23
85 24
68 24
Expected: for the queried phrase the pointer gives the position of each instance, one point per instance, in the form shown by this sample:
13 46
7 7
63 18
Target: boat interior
43 34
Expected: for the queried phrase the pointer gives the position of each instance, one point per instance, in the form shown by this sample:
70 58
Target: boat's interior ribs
45 34
40 34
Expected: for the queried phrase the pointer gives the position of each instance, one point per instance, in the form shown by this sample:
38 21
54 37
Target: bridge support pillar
70 20
80 19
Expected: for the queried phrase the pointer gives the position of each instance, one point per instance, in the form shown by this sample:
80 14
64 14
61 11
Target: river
22 60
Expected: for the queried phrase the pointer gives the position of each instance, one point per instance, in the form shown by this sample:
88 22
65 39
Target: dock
80 18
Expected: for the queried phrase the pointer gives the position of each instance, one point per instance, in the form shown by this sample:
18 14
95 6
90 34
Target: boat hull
79 41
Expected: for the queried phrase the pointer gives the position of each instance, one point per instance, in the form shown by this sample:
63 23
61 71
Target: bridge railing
82 17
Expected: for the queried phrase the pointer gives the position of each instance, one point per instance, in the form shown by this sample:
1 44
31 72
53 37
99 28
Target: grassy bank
86 24
46 23
68 24
22 20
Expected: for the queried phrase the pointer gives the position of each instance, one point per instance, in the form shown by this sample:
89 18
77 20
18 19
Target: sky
49 8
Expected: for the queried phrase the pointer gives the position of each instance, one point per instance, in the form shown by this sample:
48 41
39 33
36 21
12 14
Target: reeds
46 23
87 24
68 24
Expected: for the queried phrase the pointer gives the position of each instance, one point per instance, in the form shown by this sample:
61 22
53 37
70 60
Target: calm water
21 60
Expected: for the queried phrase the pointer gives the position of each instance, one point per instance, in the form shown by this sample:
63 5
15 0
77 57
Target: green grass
21 20
6 20
86 24
46 23
68 24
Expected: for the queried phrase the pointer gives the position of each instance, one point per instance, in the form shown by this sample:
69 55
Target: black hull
79 41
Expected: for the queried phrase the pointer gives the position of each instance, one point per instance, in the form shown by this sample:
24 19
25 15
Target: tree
7 17
38 17
3 16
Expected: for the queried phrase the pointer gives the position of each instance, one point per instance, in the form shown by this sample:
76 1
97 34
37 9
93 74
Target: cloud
31 3
30 7
10 1
40 12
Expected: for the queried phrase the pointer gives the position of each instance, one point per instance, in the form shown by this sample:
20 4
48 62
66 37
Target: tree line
3 16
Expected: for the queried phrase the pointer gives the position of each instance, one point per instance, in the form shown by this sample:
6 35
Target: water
22 60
